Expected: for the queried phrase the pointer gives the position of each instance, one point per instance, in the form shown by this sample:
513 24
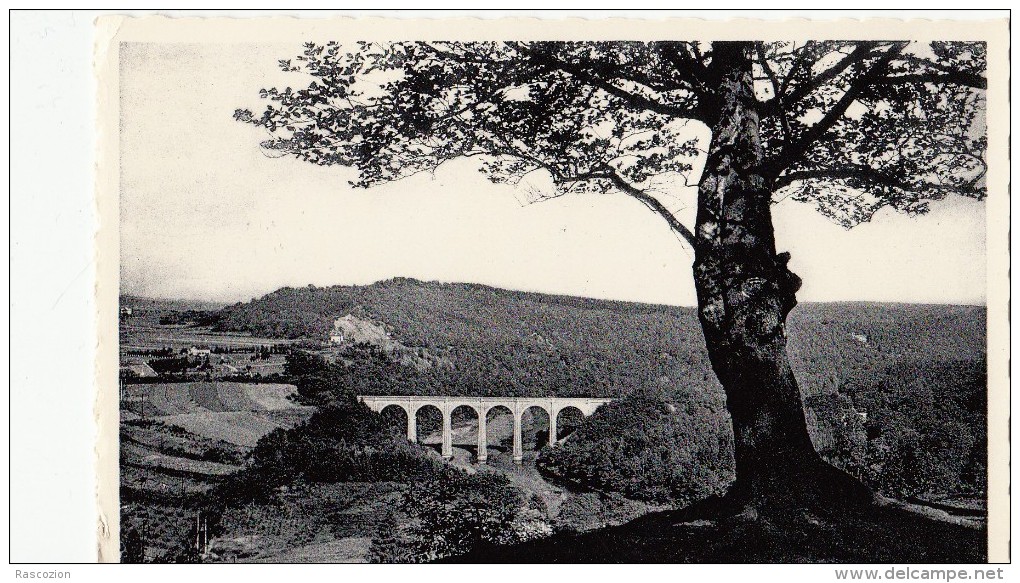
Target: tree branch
653 203
790 155
951 75
957 78
634 100
777 94
686 64
861 52
874 176
797 64
608 173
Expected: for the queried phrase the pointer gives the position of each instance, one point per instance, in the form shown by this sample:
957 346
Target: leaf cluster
850 126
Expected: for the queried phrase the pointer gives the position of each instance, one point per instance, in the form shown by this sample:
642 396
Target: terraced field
237 413
178 440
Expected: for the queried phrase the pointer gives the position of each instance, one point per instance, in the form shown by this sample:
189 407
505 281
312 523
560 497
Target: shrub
342 442
592 510
456 514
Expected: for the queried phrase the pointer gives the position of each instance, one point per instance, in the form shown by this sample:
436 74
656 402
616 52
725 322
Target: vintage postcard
401 290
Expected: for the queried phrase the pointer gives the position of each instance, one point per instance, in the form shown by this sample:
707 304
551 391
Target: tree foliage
342 442
850 126
926 428
132 546
909 426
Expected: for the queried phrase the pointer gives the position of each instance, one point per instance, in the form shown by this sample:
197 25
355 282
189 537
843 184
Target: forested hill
495 341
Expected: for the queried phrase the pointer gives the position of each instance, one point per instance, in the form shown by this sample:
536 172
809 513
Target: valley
223 456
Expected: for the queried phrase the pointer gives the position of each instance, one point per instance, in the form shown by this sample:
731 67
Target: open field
144 458
240 428
152 337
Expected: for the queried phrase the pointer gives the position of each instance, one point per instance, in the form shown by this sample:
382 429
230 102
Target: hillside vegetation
505 342
495 341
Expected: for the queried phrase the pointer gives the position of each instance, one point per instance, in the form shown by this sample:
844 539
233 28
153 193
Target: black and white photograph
553 291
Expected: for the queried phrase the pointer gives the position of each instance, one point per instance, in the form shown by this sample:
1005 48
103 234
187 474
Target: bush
456 514
838 432
342 442
219 455
132 547
169 365
592 510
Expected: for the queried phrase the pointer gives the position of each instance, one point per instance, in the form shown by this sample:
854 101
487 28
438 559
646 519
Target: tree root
930 512
830 495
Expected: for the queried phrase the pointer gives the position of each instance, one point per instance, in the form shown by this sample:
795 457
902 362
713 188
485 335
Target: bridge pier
412 426
552 426
447 449
483 444
518 442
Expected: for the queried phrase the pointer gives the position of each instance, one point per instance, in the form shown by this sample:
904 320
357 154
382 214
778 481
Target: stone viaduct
482 405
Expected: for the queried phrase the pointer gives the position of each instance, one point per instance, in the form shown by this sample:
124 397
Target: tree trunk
745 292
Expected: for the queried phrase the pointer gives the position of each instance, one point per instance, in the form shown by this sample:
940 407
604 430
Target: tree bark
745 292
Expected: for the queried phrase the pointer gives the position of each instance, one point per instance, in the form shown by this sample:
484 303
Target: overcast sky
205 214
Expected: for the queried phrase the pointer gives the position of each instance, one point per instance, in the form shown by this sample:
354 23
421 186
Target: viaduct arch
517 406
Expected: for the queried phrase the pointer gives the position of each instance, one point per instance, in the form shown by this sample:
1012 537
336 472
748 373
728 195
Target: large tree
851 127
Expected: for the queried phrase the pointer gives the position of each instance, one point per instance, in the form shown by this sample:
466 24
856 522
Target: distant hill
513 342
